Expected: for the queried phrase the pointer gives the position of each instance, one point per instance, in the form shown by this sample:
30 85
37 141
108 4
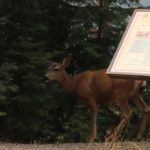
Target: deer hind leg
125 117
145 110
93 109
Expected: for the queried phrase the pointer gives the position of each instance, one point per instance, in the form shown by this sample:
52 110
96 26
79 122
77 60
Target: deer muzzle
50 77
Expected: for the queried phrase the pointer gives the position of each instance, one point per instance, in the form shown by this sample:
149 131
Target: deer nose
46 75
45 78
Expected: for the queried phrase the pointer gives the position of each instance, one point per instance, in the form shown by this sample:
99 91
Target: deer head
56 70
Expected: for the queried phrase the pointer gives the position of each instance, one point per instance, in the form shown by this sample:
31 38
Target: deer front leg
93 109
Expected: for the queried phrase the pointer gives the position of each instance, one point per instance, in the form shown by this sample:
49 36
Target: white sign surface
132 57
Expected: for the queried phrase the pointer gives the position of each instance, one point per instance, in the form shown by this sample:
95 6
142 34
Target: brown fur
97 88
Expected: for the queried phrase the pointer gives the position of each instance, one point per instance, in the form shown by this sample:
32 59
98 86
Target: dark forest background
32 32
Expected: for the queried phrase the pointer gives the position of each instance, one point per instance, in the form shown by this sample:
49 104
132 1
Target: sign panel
132 58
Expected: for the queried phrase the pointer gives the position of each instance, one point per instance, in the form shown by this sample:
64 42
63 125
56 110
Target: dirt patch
78 146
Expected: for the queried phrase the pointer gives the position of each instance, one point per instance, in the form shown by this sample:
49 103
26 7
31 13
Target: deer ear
67 61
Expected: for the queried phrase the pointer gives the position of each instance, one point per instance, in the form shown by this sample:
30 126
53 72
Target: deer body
99 85
97 88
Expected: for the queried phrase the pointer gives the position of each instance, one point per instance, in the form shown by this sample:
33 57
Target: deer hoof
138 139
91 140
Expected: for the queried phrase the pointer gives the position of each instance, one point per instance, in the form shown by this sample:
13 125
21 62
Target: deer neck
67 82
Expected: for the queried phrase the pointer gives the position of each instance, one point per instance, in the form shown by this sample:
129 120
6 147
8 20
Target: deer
95 88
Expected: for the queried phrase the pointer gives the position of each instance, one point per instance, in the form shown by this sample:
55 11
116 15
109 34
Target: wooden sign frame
132 57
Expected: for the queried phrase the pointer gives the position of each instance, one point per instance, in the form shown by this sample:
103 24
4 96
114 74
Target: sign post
132 57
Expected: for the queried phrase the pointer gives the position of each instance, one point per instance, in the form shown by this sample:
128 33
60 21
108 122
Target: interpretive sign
132 57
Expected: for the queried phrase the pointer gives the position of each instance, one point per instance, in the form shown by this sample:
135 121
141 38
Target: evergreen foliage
31 34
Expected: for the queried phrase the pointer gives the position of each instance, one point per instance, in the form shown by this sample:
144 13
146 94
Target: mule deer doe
97 88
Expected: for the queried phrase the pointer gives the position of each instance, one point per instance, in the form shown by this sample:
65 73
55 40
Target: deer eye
56 69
